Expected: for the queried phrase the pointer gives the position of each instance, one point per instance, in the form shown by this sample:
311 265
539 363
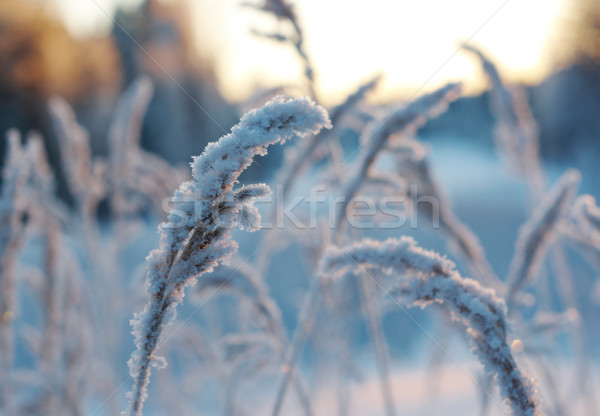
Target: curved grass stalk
427 278
197 237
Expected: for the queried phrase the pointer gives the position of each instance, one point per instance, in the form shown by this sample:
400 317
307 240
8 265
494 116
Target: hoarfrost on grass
202 240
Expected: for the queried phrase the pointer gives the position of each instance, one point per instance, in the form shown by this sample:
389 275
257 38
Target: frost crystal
197 237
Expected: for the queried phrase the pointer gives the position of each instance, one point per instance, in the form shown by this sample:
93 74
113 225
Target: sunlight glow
88 17
412 43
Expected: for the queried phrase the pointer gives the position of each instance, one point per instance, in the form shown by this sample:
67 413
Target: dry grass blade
516 132
537 233
407 119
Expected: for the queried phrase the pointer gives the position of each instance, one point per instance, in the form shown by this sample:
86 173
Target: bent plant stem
163 299
433 384
374 320
570 302
299 387
537 183
308 314
545 369
428 278
150 346
189 250
301 161
161 303
568 298
476 258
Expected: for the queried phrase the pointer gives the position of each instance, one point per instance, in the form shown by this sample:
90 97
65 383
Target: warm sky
411 42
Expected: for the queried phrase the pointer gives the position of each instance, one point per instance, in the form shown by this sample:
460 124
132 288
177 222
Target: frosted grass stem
197 237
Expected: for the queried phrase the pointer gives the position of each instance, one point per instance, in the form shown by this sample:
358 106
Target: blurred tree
187 110
38 58
583 32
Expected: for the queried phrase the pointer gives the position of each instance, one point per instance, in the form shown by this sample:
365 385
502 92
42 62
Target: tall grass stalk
198 238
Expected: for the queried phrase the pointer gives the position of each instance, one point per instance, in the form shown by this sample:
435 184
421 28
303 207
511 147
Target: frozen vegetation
299 301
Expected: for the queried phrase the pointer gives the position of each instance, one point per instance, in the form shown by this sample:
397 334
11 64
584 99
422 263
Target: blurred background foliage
39 59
